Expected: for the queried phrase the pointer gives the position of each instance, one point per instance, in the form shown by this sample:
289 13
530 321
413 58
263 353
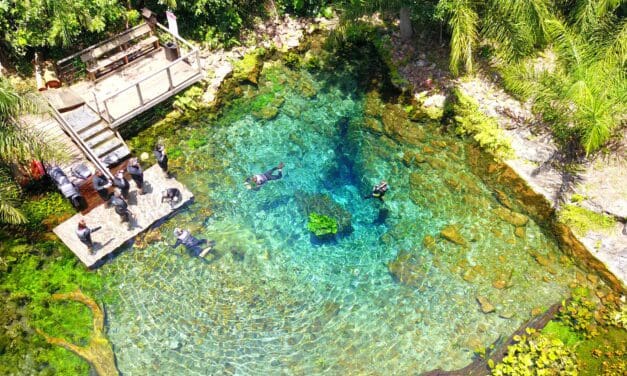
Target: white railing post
96 100
198 62
170 79
139 94
109 117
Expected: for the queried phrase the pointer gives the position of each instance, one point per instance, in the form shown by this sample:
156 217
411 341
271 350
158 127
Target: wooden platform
146 209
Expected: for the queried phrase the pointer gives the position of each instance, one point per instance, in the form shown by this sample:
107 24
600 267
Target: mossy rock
321 225
582 220
322 204
511 217
451 233
373 125
373 105
248 68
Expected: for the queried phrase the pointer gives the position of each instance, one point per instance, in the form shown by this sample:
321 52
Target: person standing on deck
137 174
162 159
120 182
84 235
121 207
256 181
101 185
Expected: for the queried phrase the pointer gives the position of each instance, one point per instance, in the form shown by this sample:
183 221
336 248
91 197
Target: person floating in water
192 244
172 196
162 159
256 181
378 191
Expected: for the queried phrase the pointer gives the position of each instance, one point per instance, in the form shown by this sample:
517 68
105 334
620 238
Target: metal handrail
176 36
86 150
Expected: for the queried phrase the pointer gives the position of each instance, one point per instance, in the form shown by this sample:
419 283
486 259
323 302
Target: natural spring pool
392 296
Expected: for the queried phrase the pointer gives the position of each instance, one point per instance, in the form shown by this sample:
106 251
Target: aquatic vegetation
190 99
578 314
536 354
31 273
469 121
321 225
582 220
97 351
47 211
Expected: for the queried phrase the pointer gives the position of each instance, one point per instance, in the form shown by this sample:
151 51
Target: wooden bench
120 50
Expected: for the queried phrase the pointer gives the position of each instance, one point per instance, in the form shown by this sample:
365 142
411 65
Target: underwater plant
321 225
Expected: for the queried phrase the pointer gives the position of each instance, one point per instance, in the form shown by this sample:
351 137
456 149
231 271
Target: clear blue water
273 300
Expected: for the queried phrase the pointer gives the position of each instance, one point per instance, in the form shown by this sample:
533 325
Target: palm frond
462 20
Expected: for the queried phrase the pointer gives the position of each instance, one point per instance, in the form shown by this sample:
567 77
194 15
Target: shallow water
274 300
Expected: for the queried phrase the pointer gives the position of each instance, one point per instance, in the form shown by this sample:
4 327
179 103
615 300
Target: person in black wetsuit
120 206
256 181
101 185
378 191
137 174
120 182
162 158
84 235
192 244
172 196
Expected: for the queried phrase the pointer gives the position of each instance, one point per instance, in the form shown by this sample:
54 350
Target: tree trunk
406 30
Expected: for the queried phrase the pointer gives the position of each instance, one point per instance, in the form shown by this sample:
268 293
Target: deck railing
136 92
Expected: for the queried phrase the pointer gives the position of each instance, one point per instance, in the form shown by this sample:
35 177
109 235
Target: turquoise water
274 300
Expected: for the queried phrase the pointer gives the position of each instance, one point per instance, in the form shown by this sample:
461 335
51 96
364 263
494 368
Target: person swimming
378 191
256 181
192 244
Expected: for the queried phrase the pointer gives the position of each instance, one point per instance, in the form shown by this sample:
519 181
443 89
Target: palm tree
18 146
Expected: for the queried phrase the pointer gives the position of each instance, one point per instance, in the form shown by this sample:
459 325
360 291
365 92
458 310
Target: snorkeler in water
192 244
378 191
256 181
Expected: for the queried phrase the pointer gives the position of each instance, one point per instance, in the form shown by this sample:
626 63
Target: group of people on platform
172 196
115 193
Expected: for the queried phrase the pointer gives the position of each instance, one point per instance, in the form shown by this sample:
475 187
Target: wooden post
406 29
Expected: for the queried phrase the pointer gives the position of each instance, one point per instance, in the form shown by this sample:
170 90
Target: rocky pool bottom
445 266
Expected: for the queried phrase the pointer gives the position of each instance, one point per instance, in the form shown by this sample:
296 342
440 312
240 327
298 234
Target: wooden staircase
94 133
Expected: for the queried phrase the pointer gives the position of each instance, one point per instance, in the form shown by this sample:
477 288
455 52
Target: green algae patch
249 67
470 121
321 225
582 220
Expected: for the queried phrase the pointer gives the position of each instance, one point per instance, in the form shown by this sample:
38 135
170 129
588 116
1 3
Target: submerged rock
451 234
511 217
486 306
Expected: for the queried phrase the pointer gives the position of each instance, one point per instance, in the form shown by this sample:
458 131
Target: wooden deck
138 86
146 209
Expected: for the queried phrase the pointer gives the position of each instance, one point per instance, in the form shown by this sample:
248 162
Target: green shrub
321 225
470 121
50 204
